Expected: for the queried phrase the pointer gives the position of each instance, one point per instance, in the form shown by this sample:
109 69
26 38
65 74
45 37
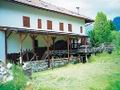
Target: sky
90 7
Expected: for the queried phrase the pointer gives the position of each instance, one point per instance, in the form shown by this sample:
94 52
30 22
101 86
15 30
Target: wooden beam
24 37
33 36
8 34
48 40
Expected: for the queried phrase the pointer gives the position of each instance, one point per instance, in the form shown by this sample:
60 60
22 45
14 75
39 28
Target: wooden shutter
81 29
61 26
70 27
39 23
26 21
49 24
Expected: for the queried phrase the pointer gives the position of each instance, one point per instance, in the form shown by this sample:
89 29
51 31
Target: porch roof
42 32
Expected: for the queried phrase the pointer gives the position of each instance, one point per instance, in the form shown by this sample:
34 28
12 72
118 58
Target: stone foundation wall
5 72
58 63
41 65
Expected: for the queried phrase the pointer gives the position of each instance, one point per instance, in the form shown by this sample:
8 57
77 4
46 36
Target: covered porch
45 45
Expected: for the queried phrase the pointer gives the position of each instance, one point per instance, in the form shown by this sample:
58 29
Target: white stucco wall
13 42
11 15
2 46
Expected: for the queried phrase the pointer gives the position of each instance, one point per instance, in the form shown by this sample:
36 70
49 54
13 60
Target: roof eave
89 20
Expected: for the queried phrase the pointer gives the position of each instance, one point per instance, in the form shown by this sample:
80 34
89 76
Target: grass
102 73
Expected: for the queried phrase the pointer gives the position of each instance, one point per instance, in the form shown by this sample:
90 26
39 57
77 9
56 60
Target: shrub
75 62
102 57
19 81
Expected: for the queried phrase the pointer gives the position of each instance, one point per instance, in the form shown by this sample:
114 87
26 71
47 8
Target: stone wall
41 65
5 72
58 62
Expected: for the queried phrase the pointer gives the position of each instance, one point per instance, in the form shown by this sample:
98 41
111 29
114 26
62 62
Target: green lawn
103 73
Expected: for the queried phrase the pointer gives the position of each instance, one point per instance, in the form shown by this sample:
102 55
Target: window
26 21
61 26
70 27
49 24
81 29
39 23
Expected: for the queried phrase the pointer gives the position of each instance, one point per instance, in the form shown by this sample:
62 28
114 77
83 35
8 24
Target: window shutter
61 26
39 23
49 24
26 21
70 27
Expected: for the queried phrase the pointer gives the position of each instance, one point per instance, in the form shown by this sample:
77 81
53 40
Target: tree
116 40
101 32
111 25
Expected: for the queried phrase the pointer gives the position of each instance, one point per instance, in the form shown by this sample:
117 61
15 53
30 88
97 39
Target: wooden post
48 40
77 44
20 35
52 63
86 58
53 39
21 48
48 49
5 47
68 47
79 58
33 37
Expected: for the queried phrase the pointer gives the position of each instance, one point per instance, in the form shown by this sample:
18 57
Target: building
29 29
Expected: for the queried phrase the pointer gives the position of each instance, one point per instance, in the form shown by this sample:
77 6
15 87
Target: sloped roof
47 6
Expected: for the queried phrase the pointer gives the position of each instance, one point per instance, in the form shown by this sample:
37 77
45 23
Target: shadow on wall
61 45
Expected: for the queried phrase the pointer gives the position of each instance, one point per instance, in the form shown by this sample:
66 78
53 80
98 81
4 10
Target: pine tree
102 30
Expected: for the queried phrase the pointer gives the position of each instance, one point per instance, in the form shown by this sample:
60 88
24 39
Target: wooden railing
29 55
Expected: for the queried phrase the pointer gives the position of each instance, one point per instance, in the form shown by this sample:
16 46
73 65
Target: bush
103 57
116 41
19 81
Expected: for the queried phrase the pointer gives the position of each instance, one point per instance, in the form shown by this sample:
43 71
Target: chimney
78 10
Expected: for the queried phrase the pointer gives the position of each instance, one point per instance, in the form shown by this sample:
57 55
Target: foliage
101 32
75 61
111 25
94 58
19 81
116 41
103 57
